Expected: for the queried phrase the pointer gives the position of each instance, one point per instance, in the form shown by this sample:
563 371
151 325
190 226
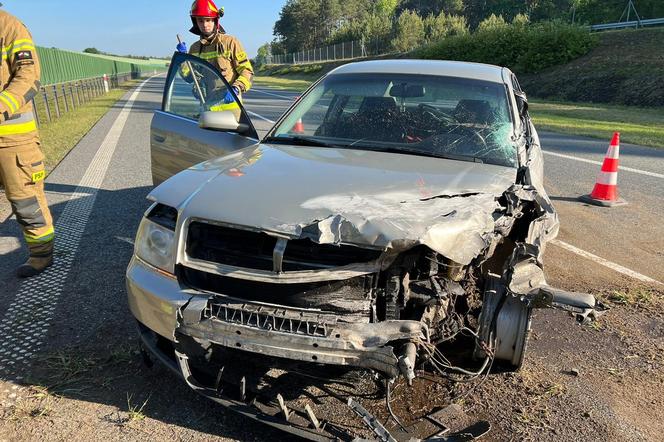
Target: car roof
463 69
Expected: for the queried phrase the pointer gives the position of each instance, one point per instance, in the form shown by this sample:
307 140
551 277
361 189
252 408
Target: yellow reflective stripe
209 55
22 47
14 103
246 83
224 107
44 237
7 128
18 45
20 41
243 67
7 103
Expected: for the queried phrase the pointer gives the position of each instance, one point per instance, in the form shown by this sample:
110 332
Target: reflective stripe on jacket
19 83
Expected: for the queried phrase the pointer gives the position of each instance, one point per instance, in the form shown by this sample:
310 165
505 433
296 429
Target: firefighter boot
41 257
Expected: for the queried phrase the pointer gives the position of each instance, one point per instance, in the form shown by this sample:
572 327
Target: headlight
155 243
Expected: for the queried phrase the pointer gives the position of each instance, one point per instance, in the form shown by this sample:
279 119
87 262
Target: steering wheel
471 135
435 113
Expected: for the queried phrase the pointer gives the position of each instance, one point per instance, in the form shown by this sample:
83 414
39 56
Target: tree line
401 24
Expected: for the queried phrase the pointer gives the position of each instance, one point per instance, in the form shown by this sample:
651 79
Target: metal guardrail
54 100
341 51
628 24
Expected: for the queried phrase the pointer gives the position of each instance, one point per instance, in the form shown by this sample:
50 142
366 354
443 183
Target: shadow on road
90 350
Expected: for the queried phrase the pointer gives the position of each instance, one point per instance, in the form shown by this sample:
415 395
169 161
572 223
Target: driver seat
376 119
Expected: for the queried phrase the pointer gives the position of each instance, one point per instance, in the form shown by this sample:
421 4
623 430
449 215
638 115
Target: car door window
196 87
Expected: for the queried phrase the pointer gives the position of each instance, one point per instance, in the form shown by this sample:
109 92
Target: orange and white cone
605 192
298 128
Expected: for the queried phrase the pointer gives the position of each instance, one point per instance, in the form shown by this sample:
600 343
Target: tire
509 341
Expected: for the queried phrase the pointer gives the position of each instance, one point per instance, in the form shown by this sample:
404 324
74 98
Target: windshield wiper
300 141
405 150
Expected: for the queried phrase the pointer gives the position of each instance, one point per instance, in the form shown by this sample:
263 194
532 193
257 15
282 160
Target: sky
138 27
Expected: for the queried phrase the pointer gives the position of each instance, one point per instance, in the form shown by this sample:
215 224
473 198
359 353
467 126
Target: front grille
350 298
234 247
254 250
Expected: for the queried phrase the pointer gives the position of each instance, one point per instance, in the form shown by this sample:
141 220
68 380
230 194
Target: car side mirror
221 121
521 102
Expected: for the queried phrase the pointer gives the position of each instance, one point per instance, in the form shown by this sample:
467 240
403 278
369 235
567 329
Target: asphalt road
103 201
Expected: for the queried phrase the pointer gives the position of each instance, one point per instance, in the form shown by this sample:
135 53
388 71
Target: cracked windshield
436 116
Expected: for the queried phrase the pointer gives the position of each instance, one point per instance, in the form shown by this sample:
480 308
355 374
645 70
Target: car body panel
178 143
381 197
475 71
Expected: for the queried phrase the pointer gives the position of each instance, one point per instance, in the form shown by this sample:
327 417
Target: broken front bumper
162 305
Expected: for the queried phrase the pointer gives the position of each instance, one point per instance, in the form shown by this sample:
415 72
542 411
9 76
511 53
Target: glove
228 98
182 47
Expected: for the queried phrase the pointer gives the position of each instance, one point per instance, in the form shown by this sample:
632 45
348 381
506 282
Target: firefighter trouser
22 175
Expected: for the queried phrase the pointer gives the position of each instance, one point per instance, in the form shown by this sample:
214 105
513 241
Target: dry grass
60 135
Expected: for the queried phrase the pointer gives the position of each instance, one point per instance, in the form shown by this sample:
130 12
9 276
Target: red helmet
204 8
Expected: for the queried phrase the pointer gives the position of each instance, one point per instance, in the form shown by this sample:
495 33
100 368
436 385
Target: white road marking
611 265
26 321
271 93
260 116
599 163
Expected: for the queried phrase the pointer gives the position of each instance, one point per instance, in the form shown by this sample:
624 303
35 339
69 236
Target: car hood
346 196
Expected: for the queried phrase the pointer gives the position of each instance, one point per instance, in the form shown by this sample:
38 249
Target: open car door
198 119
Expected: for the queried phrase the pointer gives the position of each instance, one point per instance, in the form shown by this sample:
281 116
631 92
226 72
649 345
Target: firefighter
223 51
21 160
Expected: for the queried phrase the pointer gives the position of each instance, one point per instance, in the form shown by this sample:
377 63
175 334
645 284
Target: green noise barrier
59 66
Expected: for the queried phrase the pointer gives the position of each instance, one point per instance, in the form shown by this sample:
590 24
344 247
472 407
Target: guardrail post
71 94
77 86
57 105
48 109
64 93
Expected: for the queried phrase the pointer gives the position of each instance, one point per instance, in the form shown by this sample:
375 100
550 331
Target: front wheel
505 323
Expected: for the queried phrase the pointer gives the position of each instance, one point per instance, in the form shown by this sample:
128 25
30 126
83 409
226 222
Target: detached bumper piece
304 420
297 335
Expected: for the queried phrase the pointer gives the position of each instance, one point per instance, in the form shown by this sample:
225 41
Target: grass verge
60 135
644 126
281 83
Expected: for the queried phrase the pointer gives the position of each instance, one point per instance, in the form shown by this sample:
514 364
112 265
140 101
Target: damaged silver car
394 219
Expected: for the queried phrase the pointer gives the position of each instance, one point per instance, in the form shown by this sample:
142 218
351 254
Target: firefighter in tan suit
21 160
223 51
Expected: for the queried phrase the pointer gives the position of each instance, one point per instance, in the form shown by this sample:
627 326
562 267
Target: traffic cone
299 127
605 192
